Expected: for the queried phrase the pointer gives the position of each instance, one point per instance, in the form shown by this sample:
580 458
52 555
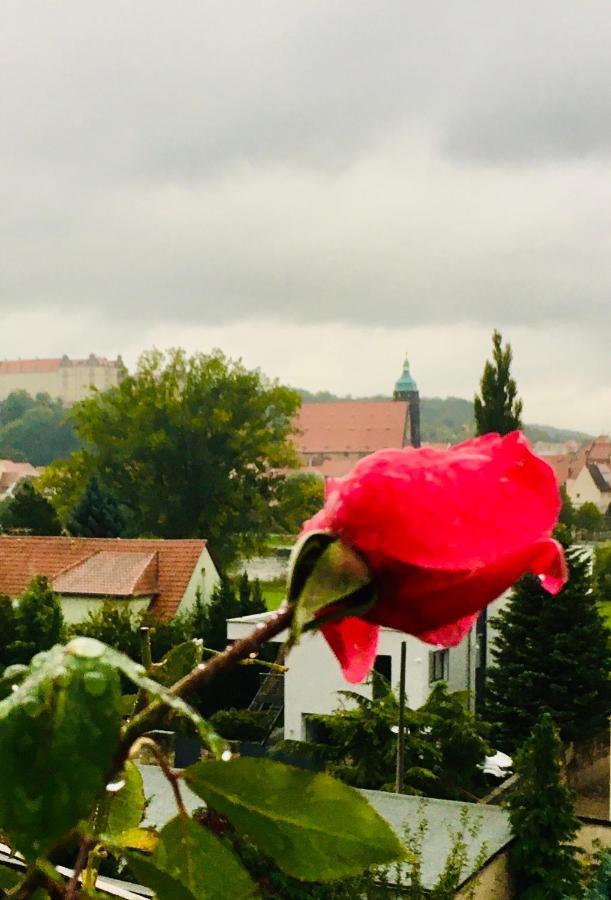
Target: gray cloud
397 165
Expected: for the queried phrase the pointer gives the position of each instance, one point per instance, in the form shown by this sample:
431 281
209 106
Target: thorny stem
204 673
165 768
72 888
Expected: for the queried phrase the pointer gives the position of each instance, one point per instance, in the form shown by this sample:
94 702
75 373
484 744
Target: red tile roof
351 426
109 573
31 366
599 450
16 366
21 558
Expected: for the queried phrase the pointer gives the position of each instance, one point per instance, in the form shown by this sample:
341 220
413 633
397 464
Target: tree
39 622
601 573
97 514
189 445
552 654
444 743
498 408
30 512
543 860
567 510
299 496
208 621
37 429
588 517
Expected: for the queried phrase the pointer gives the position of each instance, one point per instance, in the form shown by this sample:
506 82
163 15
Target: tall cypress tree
551 653
498 408
542 859
97 513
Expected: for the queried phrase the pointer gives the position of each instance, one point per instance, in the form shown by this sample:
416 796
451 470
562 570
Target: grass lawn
274 593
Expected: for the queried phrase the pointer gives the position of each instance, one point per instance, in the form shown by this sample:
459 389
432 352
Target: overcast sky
315 186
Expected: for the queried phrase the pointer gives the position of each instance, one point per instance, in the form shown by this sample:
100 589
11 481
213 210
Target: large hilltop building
331 437
69 380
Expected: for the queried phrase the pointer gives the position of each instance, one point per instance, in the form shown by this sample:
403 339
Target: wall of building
314 681
205 577
77 609
583 490
69 383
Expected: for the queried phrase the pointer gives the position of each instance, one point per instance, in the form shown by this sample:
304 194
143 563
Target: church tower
407 389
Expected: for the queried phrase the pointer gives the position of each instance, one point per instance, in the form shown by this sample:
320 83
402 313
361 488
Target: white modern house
314 680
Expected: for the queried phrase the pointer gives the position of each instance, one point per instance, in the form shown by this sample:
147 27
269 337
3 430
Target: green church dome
405 383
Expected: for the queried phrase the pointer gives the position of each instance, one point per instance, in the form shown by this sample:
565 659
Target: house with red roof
159 576
331 437
586 474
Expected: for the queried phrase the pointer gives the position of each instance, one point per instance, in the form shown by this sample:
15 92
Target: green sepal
325 572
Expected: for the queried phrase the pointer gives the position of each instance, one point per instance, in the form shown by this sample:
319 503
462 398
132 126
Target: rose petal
452 509
419 601
355 644
450 635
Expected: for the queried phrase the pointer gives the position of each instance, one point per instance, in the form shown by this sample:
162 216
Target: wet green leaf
315 827
58 733
197 859
10 878
126 806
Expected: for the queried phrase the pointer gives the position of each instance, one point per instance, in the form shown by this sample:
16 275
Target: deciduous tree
189 445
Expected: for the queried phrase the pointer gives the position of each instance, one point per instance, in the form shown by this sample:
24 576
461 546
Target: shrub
241 724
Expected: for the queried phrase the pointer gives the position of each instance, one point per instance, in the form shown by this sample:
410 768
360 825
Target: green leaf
198 862
315 827
145 839
324 572
58 733
10 878
126 806
177 662
150 875
136 673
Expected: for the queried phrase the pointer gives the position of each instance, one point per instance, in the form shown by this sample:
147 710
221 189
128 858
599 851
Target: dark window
439 665
381 667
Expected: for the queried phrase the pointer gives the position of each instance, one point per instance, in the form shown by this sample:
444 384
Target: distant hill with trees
451 419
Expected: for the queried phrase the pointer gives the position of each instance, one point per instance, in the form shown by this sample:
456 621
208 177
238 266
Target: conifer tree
97 514
39 622
551 653
498 408
542 859
30 512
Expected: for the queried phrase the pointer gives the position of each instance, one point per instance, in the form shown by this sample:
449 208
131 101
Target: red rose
444 533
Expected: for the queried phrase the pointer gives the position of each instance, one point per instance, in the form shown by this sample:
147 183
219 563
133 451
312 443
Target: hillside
450 419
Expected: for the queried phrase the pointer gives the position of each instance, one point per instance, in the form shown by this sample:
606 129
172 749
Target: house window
439 665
